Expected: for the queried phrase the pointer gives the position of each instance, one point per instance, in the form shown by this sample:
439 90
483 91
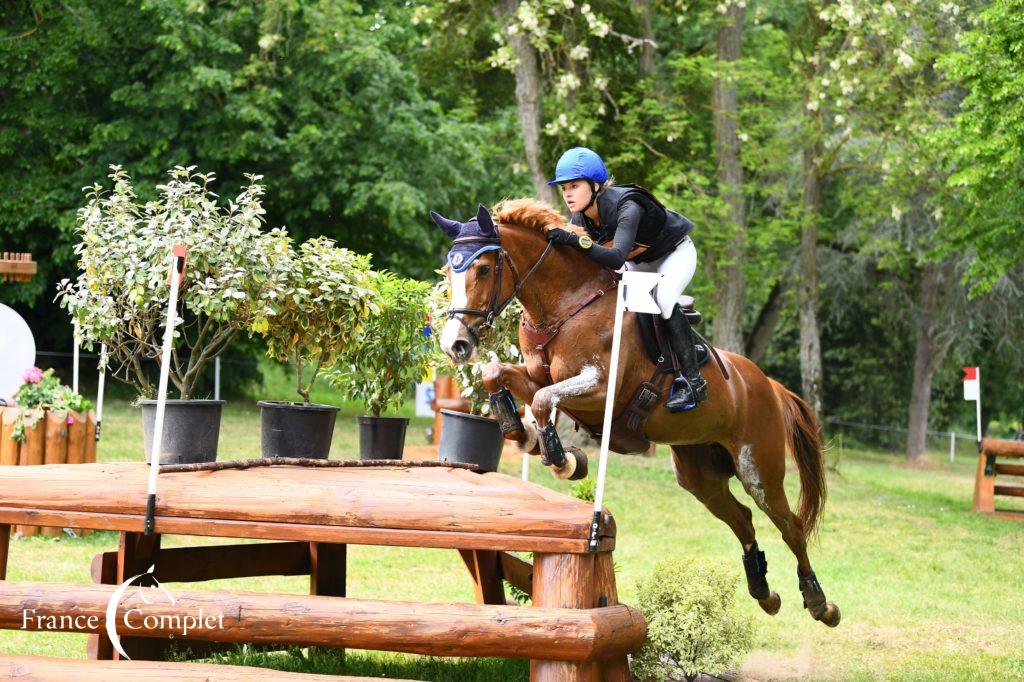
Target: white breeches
677 270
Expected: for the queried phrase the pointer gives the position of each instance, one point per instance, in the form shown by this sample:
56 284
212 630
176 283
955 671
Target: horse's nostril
461 349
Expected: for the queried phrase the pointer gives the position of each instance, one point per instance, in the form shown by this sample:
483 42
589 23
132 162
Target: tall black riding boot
690 388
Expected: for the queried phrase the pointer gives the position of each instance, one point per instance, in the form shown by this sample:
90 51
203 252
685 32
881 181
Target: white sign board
424 394
17 351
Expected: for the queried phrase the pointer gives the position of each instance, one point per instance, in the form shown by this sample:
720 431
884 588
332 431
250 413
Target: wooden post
5 548
8 446
136 552
984 484
31 453
328 571
607 594
563 581
77 437
485 569
104 571
55 449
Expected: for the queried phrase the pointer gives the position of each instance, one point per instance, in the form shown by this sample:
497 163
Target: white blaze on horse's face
454 331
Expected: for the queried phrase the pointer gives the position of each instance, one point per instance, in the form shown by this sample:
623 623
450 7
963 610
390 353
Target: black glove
560 236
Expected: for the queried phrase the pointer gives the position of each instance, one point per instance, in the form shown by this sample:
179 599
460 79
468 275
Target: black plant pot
191 430
297 429
382 437
470 439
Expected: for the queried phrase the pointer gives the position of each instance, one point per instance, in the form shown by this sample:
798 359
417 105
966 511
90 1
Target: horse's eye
483 270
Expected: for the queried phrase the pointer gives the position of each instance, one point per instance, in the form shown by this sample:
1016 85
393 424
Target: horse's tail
805 442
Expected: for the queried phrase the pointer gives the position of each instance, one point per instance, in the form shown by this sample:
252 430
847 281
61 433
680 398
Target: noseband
495 308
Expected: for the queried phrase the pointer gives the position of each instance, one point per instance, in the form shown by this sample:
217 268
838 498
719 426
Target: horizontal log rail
43 668
1010 490
1010 469
1003 448
553 634
309 532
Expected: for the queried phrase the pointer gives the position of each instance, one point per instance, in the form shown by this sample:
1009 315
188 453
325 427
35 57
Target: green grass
929 590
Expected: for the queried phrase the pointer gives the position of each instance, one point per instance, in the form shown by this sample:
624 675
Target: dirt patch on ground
920 464
771 666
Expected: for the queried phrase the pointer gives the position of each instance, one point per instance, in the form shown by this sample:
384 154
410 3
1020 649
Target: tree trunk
810 333
763 329
928 355
647 47
727 328
527 73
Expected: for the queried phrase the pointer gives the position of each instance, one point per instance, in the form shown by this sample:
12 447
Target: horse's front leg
565 463
501 378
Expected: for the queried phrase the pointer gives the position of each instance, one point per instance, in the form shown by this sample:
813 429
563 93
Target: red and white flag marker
634 295
179 256
972 391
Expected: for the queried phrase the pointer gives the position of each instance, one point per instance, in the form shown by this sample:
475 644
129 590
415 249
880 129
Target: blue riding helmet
580 163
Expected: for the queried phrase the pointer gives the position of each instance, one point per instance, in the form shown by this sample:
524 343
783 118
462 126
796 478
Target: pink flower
71 420
32 375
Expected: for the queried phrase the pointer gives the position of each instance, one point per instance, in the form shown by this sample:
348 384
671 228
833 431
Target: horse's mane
536 215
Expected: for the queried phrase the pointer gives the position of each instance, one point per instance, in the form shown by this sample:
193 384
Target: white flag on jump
639 288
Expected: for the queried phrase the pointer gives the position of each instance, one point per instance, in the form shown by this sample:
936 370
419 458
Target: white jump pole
177 272
977 406
640 301
74 362
99 389
952 445
216 378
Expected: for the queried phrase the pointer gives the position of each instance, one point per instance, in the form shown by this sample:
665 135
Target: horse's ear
452 228
483 219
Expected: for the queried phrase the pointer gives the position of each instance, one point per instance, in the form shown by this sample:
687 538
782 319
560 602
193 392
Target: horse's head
480 286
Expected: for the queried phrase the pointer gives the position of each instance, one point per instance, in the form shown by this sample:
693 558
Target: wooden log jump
575 630
990 465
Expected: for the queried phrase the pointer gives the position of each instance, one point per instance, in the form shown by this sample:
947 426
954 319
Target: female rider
627 225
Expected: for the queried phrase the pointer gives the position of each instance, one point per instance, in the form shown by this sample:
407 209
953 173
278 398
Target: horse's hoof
831 615
575 468
582 465
771 604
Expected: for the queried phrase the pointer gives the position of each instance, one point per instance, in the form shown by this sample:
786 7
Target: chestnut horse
742 430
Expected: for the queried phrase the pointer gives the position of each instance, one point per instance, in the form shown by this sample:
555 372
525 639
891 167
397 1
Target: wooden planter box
51 437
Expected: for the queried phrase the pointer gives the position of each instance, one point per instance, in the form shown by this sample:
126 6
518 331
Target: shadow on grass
374 664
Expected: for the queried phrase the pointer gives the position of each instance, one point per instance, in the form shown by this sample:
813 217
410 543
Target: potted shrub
389 357
328 294
120 296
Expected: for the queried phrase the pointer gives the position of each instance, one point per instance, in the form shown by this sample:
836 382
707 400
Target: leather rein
495 308
539 337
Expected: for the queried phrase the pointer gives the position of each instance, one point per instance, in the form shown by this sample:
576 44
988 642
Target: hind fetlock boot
690 388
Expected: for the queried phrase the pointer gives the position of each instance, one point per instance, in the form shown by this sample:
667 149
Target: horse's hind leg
762 479
705 470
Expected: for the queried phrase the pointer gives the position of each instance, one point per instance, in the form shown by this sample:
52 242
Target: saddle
628 425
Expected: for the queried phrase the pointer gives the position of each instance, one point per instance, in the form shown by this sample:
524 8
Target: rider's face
576 194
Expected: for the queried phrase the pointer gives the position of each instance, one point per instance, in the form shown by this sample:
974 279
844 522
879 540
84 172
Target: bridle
495 308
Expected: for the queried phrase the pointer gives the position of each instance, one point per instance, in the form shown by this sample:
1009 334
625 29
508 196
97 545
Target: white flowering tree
550 46
234 275
328 293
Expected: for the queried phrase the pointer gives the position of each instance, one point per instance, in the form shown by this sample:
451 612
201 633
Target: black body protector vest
660 229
